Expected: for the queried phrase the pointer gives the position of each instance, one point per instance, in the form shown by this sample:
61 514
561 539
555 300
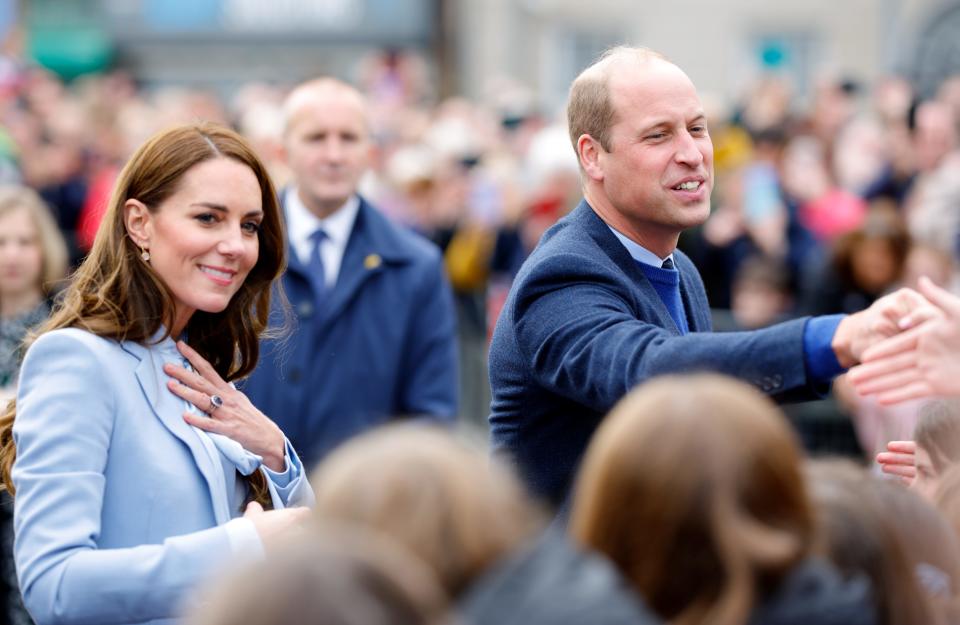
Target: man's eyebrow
655 125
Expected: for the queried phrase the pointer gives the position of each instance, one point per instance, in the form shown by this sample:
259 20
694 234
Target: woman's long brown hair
693 487
115 294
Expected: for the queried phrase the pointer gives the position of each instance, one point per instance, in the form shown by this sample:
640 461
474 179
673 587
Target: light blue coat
122 508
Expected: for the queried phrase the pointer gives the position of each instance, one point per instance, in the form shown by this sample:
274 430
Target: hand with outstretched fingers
923 361
899 459
885 318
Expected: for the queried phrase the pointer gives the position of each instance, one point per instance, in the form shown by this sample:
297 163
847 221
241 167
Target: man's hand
887 317
922 361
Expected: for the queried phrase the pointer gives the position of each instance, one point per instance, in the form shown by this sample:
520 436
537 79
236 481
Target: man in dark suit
606 301
374 330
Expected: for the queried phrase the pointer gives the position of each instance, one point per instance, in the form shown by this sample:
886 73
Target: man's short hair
590 110
306 91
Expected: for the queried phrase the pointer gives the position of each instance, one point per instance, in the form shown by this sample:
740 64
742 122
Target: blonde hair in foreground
333 576
692 486
445 501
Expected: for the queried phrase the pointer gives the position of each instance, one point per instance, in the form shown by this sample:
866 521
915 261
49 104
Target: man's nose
333 149
689 150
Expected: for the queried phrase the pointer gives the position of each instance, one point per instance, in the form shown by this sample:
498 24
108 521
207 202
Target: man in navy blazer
373 330
606 301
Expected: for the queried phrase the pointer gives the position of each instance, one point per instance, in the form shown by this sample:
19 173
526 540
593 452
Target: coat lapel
169 408
598 230
371 249
361 262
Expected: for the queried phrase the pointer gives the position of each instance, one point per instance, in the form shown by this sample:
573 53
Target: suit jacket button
295 376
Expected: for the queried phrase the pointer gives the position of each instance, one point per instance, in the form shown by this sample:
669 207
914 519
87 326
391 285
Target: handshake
907 344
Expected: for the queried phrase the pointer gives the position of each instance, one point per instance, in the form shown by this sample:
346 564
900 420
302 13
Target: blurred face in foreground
927 479
21 258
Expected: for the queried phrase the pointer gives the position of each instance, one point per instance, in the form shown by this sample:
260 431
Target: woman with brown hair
33 262
129 452
858 533
692 486
471 522
937 438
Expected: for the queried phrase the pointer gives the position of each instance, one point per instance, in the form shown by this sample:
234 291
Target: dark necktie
315 266
667 264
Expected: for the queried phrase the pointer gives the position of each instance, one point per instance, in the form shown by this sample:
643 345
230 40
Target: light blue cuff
818 355
245 543
292 469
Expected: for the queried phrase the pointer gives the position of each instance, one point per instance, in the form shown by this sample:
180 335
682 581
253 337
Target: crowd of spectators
820 207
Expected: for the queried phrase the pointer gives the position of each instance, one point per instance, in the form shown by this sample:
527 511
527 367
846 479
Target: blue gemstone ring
215 402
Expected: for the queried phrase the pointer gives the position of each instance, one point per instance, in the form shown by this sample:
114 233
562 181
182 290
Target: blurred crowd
822 204
819 208
480 180
822 209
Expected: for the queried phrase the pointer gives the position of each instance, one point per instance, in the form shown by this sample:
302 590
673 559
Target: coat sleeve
66 410
430 381
578 330
290 488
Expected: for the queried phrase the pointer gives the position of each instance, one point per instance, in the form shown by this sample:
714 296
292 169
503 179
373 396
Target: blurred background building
472 45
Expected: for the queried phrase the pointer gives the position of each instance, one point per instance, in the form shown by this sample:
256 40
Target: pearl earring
144 254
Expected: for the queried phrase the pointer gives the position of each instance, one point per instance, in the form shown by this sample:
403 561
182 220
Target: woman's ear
137 219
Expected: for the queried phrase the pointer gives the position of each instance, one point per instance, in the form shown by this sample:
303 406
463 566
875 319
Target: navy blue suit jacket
582 326
383 345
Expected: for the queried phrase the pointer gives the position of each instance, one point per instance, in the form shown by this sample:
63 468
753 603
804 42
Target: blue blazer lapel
168 408
368 251
588 221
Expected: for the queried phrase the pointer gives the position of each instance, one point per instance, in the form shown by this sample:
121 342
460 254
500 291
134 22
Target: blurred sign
357 19
773 53
292 14
181 14
67 38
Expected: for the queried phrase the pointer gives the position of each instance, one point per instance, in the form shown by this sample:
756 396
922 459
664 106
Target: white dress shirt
637 251
301 223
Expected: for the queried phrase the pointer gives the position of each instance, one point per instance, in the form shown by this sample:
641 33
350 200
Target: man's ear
589 151
138 221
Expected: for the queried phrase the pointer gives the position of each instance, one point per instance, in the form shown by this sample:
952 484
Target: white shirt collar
301 223
638 252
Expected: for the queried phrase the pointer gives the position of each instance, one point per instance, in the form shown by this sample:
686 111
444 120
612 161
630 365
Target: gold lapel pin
372 261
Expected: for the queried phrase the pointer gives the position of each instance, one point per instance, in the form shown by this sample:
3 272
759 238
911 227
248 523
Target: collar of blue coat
166 348
169 409
373 236
301 224
586 220
639 253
